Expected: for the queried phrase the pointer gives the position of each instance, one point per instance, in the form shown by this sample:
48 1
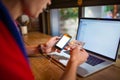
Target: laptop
101 37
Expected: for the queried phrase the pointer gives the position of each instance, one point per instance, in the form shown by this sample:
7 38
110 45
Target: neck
14 8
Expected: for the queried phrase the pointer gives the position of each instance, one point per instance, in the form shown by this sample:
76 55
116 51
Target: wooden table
46 68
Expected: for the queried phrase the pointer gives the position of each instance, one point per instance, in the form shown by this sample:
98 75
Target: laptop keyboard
94 60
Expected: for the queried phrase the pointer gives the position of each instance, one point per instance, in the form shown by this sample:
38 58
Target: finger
67 48
56 50
55 38
83 50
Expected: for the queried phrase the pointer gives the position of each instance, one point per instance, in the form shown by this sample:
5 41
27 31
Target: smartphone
63 41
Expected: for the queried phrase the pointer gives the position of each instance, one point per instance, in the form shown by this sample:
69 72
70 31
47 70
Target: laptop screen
100 36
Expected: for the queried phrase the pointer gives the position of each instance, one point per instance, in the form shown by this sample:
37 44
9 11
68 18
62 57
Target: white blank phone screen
63 41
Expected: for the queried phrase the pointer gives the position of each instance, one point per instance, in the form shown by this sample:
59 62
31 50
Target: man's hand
49 45
78 56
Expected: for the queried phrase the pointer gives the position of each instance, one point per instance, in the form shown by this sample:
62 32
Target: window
64 20
109 11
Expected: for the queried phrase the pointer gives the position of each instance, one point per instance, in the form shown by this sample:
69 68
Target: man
14 64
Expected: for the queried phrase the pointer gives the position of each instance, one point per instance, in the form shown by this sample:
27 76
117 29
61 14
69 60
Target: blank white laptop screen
100 36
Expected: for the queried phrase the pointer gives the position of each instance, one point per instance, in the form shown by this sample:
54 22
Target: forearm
70 72
31 49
